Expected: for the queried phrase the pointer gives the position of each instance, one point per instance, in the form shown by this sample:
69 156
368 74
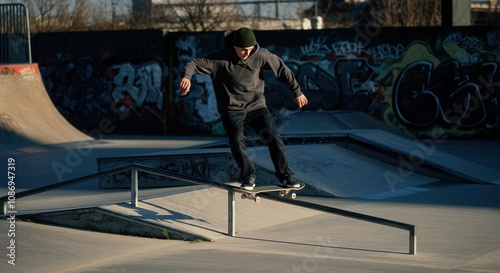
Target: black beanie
244 37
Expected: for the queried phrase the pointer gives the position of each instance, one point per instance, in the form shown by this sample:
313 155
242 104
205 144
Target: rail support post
231 213
413 241
134 188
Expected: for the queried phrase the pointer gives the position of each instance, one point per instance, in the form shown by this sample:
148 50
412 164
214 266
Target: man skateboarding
236 69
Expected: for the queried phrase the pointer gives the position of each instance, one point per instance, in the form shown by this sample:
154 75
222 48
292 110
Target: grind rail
134 175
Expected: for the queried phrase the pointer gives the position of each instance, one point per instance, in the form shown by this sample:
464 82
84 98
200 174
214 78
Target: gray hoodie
239 85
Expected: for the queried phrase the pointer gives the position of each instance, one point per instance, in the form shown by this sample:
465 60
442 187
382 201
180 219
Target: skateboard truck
252 194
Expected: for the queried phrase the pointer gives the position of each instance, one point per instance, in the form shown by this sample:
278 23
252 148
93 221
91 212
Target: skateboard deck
283 191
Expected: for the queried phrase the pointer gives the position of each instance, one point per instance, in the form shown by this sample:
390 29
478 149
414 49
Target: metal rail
359 216
134 188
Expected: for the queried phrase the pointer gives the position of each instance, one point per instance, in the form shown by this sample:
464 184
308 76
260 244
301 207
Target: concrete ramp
427 153
336 171
201 213
27 115
333 122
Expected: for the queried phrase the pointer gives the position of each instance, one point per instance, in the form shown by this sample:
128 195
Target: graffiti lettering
86 92
346 48
493 39
315 46
351 72
419 99
137 87
387 52
410 94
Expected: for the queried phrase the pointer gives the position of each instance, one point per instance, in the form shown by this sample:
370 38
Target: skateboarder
236 69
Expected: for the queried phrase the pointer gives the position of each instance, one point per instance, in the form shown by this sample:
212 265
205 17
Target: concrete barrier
215 166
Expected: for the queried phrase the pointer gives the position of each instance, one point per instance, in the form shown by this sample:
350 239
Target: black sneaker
289 182
248 183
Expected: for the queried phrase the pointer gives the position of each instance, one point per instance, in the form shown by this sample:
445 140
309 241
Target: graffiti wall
427 82
95 77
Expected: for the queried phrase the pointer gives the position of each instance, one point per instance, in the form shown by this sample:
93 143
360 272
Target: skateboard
283 191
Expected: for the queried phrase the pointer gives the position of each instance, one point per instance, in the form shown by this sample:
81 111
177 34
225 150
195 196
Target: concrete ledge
215 166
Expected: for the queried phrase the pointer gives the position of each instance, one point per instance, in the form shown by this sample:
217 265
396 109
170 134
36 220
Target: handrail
135 168
70 182
113 171
359 216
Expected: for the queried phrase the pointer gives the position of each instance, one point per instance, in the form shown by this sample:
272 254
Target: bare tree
380 13
99 15
196 15
109 14
405 13
79 16
54 15
41 13
209 15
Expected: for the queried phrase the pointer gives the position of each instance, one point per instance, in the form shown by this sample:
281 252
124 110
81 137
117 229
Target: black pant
262 122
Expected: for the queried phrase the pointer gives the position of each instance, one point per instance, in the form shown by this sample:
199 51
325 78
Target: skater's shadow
161 215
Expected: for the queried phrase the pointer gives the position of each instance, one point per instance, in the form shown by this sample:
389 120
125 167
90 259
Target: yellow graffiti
415 52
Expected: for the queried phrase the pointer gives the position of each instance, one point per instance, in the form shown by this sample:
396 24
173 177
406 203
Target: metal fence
14 34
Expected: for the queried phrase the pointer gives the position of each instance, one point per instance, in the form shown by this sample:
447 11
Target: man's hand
301 100
185 86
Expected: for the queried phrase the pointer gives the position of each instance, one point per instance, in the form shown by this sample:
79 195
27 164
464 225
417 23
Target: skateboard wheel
256 199
293 195
244 196
282 193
